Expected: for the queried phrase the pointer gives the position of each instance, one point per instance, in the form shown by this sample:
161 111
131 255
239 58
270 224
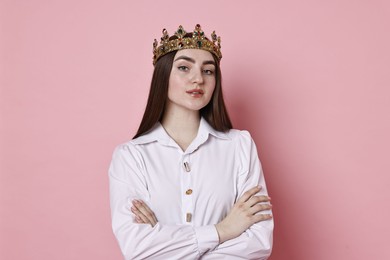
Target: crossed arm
242 216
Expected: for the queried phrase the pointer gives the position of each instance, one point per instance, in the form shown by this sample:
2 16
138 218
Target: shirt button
189 192
188 217
187 167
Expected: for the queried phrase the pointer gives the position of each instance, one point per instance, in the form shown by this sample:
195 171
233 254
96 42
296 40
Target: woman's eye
209 72
183 68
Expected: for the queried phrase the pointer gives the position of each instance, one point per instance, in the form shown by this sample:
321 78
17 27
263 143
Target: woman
188 186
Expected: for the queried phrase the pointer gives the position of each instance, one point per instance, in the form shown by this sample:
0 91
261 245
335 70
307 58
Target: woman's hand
243 215
143 214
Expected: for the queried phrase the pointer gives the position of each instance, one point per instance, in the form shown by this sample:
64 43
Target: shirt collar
158 133
205 129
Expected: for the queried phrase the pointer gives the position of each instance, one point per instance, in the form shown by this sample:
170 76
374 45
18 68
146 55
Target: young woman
188 186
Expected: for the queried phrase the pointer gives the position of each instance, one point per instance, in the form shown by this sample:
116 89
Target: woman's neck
181 127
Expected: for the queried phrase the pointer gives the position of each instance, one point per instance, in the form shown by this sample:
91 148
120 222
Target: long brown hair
215 112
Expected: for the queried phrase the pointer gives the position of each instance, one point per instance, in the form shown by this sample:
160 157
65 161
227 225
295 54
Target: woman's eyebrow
193 61
209 62
185 58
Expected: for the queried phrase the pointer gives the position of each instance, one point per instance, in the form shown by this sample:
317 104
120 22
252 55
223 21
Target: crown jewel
183 40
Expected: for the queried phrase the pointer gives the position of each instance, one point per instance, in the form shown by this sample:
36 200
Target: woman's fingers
261 217
148 212
248 194
258 208
138 220
248 199
144 212
256 204
257 199
139 217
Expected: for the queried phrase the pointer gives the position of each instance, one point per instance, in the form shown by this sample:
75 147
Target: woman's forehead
194 54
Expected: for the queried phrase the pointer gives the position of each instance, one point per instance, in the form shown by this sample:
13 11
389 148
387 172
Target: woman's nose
197 77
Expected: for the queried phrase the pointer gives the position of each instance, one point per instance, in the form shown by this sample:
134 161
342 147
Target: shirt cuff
207 237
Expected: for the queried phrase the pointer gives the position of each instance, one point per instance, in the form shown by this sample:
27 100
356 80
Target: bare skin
191 71
191 84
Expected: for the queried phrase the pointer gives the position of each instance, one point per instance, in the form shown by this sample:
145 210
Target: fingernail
136 202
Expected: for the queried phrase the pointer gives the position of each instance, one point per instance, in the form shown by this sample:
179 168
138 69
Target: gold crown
183 40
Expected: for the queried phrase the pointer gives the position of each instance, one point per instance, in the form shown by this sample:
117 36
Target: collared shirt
189 192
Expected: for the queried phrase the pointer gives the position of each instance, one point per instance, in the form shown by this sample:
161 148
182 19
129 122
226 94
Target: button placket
187 190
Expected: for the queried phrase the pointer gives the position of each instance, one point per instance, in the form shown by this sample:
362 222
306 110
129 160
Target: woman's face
192 80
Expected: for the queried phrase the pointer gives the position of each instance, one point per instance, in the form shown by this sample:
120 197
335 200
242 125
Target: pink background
309 79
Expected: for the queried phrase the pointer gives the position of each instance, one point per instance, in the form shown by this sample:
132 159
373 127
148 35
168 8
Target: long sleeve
256 242
140 241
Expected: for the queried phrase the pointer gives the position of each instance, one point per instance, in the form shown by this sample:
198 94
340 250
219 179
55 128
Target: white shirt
189 192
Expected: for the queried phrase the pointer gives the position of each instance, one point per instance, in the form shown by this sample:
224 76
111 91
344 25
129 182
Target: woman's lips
195 92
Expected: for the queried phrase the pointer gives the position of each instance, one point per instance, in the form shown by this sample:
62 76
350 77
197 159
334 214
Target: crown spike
180 33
